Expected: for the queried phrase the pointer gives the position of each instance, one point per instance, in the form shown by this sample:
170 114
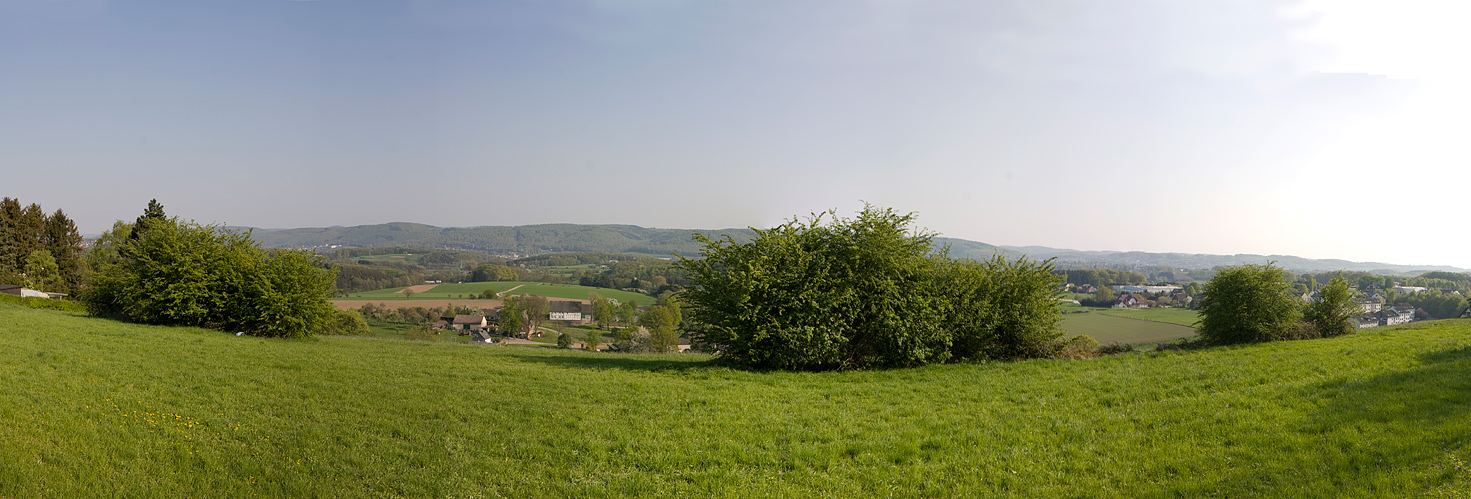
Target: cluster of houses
1374 313
479 326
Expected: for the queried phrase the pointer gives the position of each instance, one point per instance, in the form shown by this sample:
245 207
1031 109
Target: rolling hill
554 238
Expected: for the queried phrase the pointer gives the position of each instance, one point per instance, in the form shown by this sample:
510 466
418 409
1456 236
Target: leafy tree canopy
833 293
1247 304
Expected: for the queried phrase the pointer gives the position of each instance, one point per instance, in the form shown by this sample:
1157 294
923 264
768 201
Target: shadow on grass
1406 429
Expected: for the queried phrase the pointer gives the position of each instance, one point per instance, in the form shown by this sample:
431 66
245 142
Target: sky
1321 129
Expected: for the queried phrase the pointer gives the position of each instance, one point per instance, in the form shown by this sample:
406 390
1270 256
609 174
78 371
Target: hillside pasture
457 290
1114 329
99 408
347 304
398 257
1178 316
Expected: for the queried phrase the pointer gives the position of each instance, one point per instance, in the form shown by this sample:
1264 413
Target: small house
1128 300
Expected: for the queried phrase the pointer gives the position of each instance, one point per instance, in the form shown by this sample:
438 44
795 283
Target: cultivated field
354 304
459 290
1180 316
1114 329
99 408
396 257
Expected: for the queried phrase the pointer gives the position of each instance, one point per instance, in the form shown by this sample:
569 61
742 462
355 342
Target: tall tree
153 213
594 339
9 212
41 272
510 318
65 245
660 323
538 310
1332 311
28 233
626 312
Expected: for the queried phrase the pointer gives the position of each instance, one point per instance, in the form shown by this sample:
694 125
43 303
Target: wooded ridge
527 240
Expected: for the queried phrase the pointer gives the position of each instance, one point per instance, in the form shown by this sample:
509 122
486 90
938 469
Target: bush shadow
1381 429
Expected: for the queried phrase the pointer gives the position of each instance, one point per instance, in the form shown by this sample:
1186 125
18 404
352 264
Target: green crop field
1113 329
99 408
458 290
1180 316
397 257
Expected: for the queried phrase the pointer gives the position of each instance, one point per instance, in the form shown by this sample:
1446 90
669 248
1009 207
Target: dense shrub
1332 312
1247 304
832 293
346 323
1079 347
999 309
43 303
183 273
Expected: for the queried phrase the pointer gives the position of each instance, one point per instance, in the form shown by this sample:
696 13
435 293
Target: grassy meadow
1178 316
1109 328
98 408
396 257
456 290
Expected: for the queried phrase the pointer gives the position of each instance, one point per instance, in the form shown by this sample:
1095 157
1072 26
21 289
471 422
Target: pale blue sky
1324 129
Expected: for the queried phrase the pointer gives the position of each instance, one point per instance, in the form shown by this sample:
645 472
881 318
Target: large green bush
1332 312
1248 304
1000 309
183 273
832 293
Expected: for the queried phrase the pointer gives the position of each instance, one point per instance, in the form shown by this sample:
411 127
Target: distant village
1373 311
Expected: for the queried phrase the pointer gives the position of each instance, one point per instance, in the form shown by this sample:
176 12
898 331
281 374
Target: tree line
39 250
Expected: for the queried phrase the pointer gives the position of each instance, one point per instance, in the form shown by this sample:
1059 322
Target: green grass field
397 257
458 290
1113 329
98 408
1180 316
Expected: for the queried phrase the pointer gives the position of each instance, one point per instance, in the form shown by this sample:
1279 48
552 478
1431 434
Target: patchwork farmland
470 290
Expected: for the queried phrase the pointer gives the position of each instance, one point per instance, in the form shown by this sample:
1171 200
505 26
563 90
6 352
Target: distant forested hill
1139 259
502 240
556 238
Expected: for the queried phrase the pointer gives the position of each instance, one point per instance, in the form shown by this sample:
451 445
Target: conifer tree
154 212
27 233
9 211
65 245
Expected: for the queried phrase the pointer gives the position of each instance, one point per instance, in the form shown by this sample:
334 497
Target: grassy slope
1112 329
98 408
1180 316
445 291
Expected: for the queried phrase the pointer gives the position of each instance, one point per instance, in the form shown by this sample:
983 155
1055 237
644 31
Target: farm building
570 311
465 321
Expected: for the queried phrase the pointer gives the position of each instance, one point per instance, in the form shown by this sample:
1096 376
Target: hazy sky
1323 129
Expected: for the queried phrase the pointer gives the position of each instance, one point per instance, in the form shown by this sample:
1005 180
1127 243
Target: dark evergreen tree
65 245
153 213
9 212
27 234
